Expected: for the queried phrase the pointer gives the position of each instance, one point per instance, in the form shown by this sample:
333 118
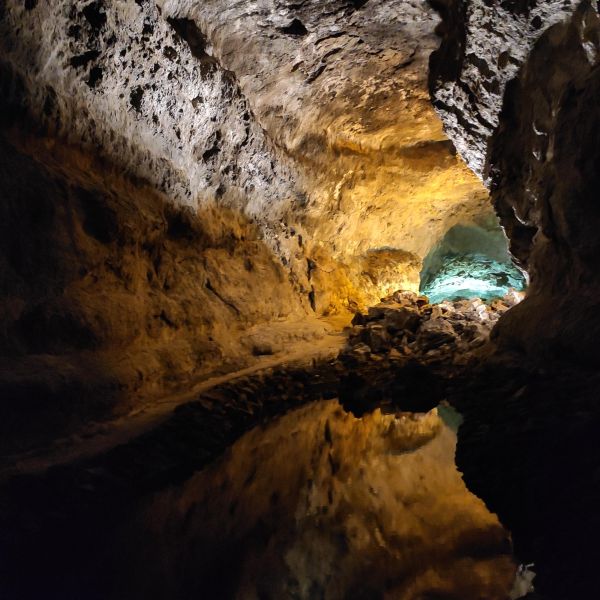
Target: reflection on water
319 504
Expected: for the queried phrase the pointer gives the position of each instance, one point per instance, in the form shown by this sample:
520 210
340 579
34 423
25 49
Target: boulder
404 318
434 333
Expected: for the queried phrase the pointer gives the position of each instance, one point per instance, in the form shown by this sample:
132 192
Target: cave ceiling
308 118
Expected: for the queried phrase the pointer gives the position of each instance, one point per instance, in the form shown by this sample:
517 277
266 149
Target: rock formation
187 188
177 152
515 85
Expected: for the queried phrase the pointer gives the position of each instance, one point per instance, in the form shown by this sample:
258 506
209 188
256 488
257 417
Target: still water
319 504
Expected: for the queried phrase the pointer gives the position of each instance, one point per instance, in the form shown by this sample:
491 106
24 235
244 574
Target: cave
471 261
299 300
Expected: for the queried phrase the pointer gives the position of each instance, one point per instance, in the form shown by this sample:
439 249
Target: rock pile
405 326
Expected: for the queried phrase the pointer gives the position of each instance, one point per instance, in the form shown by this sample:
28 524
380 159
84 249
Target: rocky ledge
406 326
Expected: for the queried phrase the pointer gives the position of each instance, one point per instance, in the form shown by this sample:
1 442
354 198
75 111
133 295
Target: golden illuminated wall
344 95
321 134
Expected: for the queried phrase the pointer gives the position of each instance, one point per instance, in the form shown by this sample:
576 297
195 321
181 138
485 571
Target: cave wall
528 449
112 294
483 47
142 243
311 120
118 79
516 86
342 87
177 176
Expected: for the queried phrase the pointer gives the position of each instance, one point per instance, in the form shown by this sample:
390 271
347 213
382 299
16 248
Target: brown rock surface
193 175
112 293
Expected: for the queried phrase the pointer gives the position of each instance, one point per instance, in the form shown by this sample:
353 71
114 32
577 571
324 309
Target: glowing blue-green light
472 276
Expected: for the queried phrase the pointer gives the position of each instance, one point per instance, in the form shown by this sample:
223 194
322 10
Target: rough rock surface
472 274
189 172
516 85
529 448
343 89
140 211
471 262
111 293
315 122
545 188
405 353
484 46
118 79
406 325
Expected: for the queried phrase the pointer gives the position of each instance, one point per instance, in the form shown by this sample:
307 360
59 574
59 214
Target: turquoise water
472 276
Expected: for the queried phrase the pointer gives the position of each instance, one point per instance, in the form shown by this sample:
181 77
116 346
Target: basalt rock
516 86
404 353
405 322
182 181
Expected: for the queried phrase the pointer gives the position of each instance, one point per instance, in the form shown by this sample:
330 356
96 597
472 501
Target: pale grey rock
539 155
484 46
310 68
117 77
